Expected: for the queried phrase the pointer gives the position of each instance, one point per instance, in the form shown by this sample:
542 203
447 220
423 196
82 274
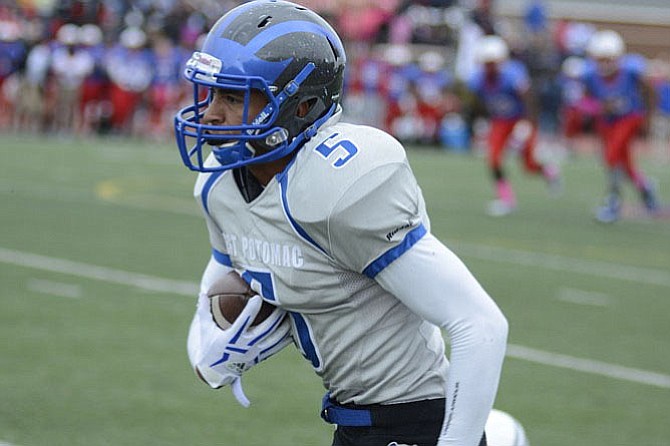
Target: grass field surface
101 248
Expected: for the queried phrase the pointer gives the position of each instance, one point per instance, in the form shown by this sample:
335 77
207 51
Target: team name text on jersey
270 253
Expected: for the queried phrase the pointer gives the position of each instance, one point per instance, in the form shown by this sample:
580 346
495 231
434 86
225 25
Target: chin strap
297 141
311 130
289 90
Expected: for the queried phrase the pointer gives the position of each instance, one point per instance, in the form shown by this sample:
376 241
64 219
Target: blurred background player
618 81
660 126
577 109
503 87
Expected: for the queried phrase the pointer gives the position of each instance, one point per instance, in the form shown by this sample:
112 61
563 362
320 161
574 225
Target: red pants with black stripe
499 135
617 137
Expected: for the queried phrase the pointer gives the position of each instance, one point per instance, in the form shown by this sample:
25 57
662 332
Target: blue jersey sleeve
475 82
517 76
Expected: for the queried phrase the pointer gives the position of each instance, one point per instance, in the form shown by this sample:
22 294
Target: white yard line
184 288
581 297
589 366
94 272
552 262
647 276
59 289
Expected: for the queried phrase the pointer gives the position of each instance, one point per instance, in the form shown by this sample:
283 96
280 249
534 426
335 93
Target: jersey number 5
328 147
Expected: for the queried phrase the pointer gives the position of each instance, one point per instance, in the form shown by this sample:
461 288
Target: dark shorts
417 423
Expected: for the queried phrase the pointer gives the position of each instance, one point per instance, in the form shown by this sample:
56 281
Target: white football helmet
9 31
133 38
68 34
90 34
606 44
398 55
431 61
502 429
491 49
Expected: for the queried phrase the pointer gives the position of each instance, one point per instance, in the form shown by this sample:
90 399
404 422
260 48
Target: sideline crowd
114 67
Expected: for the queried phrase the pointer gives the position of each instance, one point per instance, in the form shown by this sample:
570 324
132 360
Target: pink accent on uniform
638 180
505 192
550 172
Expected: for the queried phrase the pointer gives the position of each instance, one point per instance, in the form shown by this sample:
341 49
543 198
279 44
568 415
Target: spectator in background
364 80
70 66
131 70
365 21
535 17
434 99
94 101
480 22
12 58
165 91
543 61
402 116
618 81
30 113
503 86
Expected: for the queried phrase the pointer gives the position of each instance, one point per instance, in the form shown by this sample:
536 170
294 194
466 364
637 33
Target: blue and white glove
220 357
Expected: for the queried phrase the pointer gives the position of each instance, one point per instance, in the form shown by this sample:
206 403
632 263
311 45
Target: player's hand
220 357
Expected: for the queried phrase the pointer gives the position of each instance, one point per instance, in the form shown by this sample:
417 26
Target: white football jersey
312 243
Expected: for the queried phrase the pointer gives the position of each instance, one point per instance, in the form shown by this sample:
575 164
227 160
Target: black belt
381 415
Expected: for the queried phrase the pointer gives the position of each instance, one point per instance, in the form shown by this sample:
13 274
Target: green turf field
101 247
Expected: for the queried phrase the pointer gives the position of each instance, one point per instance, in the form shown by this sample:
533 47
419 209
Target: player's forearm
435 284
477 355
202 317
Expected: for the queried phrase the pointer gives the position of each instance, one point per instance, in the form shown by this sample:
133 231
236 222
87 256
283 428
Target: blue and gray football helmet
281 49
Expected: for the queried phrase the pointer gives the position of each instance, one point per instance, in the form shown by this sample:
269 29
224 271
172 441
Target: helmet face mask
607 66
284 51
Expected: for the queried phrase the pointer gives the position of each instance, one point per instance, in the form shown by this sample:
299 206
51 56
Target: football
502 429
228 297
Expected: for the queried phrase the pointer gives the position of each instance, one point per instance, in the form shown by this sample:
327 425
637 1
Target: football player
326 221
618 81
503 87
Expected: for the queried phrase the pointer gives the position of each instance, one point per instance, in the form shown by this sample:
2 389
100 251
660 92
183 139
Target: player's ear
303 108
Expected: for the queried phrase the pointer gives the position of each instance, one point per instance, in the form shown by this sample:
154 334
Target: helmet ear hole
304 107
